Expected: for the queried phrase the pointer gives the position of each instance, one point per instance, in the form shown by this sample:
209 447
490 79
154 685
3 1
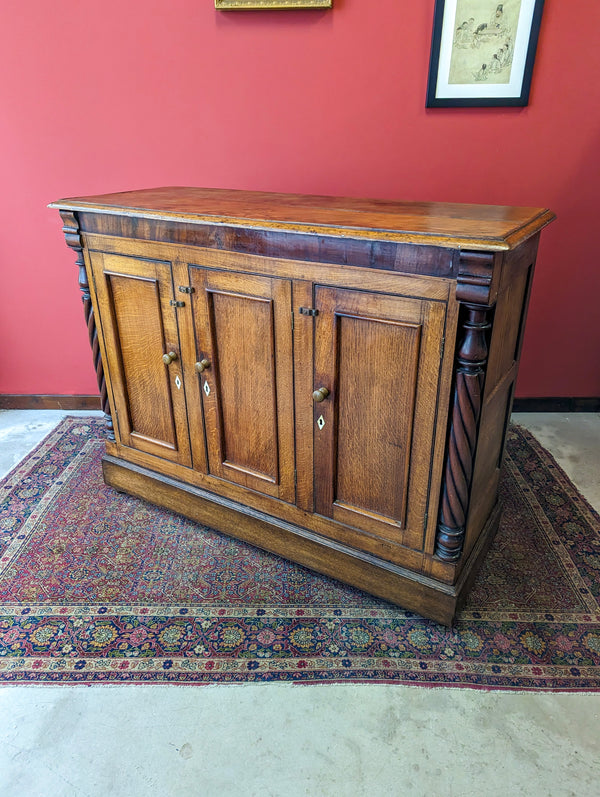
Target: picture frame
257 5
482 52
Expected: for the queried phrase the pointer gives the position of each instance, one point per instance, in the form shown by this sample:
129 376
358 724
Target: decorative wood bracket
73 239
473 291
475 277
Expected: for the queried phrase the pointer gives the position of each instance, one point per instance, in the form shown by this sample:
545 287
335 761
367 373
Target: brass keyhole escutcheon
168 358
202 365
320 394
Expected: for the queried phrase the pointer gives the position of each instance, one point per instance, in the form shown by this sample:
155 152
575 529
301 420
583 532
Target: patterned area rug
100 587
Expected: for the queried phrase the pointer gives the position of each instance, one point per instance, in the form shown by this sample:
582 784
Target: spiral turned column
73 239
474 283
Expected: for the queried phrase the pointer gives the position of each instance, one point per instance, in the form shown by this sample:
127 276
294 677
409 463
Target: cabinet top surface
490 227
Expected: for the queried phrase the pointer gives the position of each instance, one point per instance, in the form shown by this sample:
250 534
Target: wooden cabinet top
451 225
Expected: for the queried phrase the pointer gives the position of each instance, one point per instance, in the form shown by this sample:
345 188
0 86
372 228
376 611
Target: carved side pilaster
473 292
73 239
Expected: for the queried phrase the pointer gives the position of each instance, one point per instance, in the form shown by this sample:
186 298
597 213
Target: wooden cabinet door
140 327
379 357
243 327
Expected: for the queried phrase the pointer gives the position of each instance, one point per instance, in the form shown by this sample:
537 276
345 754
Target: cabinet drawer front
140 327
379 357
243 331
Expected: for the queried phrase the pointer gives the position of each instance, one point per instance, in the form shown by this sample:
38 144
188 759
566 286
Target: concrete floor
287 741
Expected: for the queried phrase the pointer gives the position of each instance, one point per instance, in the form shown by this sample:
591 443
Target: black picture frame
455 45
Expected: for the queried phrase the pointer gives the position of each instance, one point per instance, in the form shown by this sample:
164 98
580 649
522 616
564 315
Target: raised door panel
244 336
140 328
379 358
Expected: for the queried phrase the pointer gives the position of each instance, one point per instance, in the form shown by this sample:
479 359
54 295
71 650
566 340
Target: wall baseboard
564 404
42 402
37 402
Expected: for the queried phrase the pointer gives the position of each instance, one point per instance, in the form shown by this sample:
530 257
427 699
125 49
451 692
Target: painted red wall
100 97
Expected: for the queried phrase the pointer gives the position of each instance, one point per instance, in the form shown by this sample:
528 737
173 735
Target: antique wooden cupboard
329 379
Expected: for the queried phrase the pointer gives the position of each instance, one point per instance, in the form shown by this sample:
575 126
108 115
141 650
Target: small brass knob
202 365
168 358
320 394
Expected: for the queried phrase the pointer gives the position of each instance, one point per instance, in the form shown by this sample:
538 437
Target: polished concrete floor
291 741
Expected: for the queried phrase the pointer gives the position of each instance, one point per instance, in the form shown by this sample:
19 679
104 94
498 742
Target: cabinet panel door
244 333
379 357
140 327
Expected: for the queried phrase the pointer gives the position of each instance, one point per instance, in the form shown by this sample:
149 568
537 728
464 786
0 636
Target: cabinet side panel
136 304
508 323
504 353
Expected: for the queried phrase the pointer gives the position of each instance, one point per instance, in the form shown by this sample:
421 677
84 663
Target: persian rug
99 587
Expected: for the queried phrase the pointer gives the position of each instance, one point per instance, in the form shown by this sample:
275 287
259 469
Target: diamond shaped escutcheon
320 422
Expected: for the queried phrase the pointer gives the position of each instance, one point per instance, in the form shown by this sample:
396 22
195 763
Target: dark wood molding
424 260
24 401
557 404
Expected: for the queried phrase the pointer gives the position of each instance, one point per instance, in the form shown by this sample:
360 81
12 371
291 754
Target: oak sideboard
328 379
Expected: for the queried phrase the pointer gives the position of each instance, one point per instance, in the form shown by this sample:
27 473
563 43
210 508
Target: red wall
99 97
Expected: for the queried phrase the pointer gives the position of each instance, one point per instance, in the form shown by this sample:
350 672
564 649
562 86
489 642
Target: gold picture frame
257 5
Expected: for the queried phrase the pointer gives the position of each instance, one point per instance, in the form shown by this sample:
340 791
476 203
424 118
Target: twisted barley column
73 239
470 373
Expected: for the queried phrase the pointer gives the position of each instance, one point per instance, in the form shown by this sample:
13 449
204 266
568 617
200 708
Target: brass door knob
202 365
168 358
320 394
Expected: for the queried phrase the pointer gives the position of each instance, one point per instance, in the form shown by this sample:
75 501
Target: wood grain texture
374 355
243 327
136 304
325 391
488 227
140 327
